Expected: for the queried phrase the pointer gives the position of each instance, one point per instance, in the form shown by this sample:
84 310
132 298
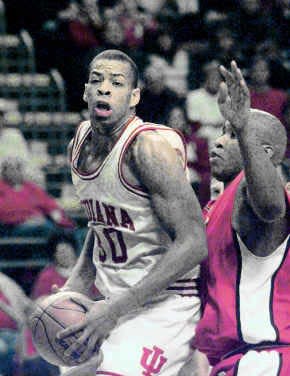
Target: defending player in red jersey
148 232
245 325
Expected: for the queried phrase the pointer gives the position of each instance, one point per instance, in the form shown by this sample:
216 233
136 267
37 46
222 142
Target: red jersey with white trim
129 239
248 299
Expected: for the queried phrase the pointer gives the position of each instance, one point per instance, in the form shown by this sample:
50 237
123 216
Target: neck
104 137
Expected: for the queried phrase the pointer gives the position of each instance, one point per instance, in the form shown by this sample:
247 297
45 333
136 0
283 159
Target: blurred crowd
178 46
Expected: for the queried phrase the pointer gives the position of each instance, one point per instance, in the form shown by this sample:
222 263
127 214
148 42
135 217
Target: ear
85 97
269 150
135 97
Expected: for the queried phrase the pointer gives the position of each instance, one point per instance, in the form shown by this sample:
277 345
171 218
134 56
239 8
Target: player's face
225 156
110 94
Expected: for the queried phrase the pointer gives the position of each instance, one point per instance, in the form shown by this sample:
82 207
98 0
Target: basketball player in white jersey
146 228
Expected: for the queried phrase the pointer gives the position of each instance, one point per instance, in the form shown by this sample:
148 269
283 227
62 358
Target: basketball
52 315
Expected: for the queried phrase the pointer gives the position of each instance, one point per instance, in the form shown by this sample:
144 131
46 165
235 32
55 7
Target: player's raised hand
234 97
96 327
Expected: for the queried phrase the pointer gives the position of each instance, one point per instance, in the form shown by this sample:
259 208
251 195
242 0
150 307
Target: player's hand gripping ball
52 315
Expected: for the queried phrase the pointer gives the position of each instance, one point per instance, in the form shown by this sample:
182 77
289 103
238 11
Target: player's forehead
110 67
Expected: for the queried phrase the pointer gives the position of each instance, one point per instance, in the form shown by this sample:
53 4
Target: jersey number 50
115 243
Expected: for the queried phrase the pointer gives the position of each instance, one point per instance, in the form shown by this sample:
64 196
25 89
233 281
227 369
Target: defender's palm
234 97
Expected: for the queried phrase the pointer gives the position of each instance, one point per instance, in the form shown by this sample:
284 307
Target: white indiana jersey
129 239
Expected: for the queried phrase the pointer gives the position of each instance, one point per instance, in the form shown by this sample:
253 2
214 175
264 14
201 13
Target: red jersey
248 299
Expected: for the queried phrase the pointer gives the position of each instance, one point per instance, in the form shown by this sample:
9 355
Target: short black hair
120 56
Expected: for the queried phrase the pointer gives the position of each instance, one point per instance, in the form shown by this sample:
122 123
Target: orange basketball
52 315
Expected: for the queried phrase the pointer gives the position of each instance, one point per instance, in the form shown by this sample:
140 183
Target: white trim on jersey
264 363
255 292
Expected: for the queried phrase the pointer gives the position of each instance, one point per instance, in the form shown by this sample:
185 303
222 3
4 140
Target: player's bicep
161 172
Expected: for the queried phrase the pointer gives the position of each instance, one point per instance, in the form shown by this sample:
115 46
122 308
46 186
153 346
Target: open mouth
103 109
214 156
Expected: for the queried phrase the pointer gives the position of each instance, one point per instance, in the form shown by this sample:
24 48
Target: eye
95 81
117 83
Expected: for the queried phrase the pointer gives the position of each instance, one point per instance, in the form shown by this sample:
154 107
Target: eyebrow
113 74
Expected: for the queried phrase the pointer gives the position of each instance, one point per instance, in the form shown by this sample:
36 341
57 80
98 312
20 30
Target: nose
104 89
218 144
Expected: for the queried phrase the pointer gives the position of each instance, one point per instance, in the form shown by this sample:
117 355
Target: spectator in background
63 251
252 24
279 72
14 144
156 99
224 46
201 104
18 357
197 153
26 209
263 96
171 57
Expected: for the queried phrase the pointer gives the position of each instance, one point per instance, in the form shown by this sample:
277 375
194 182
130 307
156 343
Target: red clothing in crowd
46 278
20 205
272 101
50 276
83 35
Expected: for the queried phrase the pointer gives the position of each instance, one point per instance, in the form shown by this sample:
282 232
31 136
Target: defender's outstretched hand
234 97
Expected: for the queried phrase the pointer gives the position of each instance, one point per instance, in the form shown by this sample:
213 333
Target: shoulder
158 138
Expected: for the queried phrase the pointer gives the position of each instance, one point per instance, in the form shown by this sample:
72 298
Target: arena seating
16 53
40 113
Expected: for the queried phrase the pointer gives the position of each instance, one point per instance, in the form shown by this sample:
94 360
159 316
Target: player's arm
20 306
264 186
159 169
83 273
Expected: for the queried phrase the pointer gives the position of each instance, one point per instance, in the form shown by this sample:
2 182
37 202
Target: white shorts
154 342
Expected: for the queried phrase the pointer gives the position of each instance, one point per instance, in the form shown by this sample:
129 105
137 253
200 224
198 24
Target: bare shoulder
155 160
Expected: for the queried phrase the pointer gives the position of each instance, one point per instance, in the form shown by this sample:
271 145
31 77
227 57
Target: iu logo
152 361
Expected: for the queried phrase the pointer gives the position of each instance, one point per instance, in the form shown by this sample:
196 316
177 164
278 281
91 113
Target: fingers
226 74
222 93
75 350
92 347
71 330
233 76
